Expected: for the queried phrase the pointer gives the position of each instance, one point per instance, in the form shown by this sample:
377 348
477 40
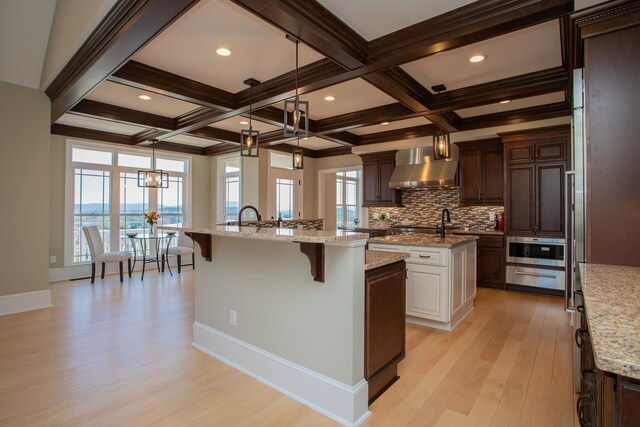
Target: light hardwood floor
121 355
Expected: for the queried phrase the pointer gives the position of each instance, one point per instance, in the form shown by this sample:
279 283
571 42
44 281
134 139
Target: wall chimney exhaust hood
416 168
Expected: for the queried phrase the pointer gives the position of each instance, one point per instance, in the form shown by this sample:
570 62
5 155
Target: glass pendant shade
299 111
441 145
249 140
298 158
154 178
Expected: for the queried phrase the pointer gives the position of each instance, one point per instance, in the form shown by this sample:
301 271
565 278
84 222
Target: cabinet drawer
384 247
491 241
427 256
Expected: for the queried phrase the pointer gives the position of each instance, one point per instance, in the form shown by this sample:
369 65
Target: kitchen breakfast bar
290 307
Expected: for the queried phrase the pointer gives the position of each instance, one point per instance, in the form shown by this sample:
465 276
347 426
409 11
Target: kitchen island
441 276
287 307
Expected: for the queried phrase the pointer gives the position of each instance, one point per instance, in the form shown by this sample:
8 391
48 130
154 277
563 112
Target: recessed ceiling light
145 97
305 138
506 101
223 51
329 98
384 123
244 122
477 58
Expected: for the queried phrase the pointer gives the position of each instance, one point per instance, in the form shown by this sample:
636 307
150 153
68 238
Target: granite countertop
375 259
270 233
424 240
478 232
612 303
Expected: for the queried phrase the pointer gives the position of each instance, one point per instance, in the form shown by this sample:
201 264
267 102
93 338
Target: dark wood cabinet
480 172
384 326
376 175
535 179
490 264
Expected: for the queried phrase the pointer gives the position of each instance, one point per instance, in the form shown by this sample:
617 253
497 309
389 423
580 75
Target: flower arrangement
151 217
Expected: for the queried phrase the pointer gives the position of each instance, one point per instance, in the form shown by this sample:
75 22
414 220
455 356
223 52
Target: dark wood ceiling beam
127 27
146 135
523 115
95 135
330 152
216 134
145 77
180 148
89 108
523 86
318 28
473 23
218 149
398 134
368 117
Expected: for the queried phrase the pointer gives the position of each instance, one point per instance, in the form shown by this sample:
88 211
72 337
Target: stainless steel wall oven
540 262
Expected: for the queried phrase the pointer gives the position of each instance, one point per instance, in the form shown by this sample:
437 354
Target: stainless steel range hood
415 168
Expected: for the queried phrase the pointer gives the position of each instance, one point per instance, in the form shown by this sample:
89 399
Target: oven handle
524 273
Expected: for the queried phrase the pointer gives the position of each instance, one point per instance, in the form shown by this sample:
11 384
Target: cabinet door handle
524 273
584 401
406 273
580 333
425 256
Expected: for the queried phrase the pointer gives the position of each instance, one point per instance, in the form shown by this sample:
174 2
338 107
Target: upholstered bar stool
96 248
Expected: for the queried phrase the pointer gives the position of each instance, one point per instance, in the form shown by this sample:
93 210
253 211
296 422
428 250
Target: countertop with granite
612 303
375 259
270 233
429 240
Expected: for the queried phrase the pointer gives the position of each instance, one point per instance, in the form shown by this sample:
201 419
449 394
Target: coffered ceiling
378 59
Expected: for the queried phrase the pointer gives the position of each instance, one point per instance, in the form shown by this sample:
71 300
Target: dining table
147 242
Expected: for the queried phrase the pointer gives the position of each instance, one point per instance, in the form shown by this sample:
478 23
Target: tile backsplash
424 206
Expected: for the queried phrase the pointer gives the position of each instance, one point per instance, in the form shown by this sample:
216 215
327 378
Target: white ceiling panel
398 124
98 124
375 18
127 96
516 104
233 125
525 51
188 47
354 95
314 143
191 140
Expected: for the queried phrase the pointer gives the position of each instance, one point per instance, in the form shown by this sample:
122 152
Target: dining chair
184 247
96 248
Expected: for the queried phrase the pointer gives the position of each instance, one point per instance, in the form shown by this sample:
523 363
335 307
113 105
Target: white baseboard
26 301
458 317
345 404
71 272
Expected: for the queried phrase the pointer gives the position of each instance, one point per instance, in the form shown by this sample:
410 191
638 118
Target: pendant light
298 157
441 140
300 109
154 178
249 138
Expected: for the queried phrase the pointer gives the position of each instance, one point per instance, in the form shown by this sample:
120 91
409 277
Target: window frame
222 182
114 197
358 183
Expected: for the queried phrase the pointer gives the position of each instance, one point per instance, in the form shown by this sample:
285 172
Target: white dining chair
184 247
96 248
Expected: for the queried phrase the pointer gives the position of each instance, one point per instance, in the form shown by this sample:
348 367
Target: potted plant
383 217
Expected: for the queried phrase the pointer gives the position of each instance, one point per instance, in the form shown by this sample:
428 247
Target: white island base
287 308
441 279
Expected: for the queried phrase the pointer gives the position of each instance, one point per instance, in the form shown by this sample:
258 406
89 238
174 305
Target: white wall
24 189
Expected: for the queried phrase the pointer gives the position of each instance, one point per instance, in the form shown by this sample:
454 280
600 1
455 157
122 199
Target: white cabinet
426 291
441 283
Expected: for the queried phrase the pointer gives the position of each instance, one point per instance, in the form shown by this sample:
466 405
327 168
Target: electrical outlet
232 318
492 217
52 259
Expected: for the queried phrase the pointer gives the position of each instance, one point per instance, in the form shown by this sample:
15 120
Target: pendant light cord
297 41
250 105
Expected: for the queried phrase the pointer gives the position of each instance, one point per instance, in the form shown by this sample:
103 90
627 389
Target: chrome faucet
448 220
242 210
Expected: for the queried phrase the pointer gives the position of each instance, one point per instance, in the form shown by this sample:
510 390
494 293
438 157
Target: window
347 196
91 206
102 190
284 198
231 191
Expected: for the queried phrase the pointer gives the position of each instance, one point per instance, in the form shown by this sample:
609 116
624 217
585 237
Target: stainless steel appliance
539 260
576 215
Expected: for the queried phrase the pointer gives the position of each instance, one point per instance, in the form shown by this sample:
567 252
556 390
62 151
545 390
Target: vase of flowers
151 218
383 217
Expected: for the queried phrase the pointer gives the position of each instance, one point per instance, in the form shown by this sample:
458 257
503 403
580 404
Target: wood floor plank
112 354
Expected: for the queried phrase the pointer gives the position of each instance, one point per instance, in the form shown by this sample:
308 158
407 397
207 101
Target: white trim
349 243
347 405
26 301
